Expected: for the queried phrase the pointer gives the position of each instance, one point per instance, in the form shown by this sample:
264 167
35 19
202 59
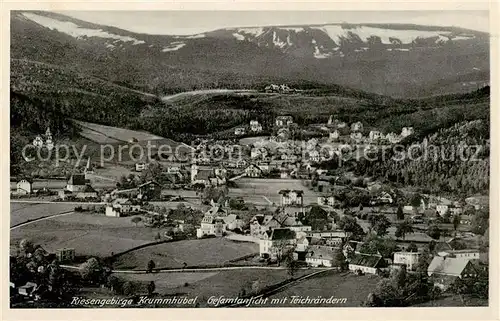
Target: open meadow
346 285
24 212
263 191
88 234
211 251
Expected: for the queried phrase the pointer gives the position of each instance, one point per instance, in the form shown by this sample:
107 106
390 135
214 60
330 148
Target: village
277 195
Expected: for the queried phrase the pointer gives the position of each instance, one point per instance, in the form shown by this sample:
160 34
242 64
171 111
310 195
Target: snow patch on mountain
387 36
76 31
174 46
277 42
238 36
252 31
296 29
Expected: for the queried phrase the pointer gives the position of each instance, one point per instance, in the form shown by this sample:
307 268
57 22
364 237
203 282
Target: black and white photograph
249 159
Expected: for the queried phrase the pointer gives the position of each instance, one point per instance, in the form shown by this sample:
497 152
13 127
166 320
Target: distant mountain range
390 59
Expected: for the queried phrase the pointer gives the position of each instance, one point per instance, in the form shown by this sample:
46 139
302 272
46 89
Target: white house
291 197
255 126
334 135
410 259
233 221
357 126
393 138
283 121
211 225
326 200
375 135
442 209
471 254
239 131
139 167
320 255
274 242
24 187
366 263
407 131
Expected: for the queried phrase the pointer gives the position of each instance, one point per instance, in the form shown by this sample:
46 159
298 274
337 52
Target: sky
193 22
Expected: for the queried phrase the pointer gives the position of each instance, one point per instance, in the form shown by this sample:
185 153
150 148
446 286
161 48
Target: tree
151 266
380 224
423 262
456 222
349 224
378 245
340 261
432 246
403 228
412 248
434 231
416 200
151 287
399 214
292 266
136 220
480 222
91 270
26 246
157 236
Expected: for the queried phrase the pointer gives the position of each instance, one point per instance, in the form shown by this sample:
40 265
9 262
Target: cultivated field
24 212
230 284
107 134
339 285
192 252
90 235
265 191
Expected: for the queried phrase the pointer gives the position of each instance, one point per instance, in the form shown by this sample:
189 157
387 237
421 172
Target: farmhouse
139 167
255 126
87 192
233 222
409 259
275 242
283 121
291 197
366 263
24 187
149 191
442 209
207 177
260 223
351 247
65 254
239 131
334 135
375 135
357 126
393 138
253 170
320 255
407 131
445 270
470 254
120 207
76 183
211 225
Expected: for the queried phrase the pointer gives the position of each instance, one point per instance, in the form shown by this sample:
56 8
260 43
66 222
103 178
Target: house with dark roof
149 191
351 247
321 255
366 263
76 183
444 270
274 242
261 223
283 121
253 170
87 192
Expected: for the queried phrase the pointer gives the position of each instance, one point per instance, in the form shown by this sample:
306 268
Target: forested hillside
451 159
